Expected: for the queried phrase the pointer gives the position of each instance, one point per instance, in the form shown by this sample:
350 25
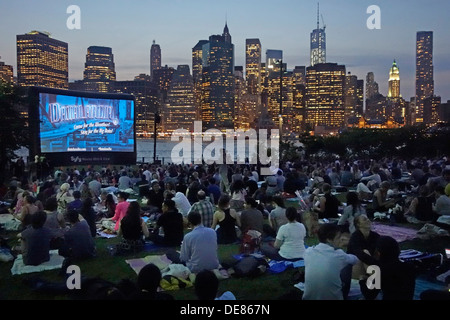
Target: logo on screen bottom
75 159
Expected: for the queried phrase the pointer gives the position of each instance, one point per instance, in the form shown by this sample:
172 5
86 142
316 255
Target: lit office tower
318 43
146 99
350 96
162 78
42 61
360 98
218 82
430 110
179 112
325 85
99 70
241 114
6 73
394 82
155 58
371 86
197 71
273 58
424 71
253 65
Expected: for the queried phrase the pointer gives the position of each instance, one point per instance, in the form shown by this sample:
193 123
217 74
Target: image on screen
85 124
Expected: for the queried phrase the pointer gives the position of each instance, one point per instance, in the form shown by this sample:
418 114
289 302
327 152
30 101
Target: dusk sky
129 27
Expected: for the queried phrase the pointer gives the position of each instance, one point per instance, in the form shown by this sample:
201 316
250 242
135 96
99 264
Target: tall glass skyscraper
318 44
42 61
180 111
155 58
253 65
197 71
325 85
218 82
99 70
424 71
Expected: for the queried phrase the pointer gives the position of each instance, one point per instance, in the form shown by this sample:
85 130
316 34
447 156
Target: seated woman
238 194
226 219
110 205
55 221
27 209
421 207
362 244
380 201
133 229
351 211
397 278
290 241
277 216
328 206
35 240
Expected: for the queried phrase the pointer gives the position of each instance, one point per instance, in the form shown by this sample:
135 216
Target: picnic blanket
5 217
398 233
55 262
161 261
9 222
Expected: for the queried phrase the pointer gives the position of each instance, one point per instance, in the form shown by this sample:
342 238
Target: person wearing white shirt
182 203
323 265
290 240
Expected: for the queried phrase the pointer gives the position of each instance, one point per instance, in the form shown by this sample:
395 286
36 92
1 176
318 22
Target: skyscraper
179 112
350 96
6 73
155 58
424 71
430 110
273 59
253 65
218 82
99 70
360 98
146 99
197 71
162 78
394 82
371 86
42 61
318 43
325 85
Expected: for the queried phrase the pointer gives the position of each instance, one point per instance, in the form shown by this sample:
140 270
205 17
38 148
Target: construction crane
318 21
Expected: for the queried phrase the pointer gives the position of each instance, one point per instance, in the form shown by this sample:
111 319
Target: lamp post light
280 115
157 120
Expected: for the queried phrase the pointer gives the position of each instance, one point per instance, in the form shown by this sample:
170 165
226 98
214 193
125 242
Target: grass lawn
114 268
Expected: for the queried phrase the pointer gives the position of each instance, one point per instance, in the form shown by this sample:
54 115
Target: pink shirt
121 211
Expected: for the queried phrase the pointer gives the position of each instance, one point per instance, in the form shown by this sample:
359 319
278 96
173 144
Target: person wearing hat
155 197
64 197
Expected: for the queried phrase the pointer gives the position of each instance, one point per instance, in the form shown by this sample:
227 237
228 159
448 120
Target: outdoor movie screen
70 123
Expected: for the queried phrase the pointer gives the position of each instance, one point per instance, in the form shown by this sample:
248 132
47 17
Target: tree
13 126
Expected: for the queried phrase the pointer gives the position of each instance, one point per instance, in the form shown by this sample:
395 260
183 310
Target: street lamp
280 115
157 120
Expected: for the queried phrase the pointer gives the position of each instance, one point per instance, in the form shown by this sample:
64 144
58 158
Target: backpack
250 266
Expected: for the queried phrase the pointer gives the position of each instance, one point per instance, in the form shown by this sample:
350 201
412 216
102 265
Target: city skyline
177 26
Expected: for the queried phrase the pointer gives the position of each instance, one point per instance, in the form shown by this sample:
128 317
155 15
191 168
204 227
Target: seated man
199 247
36 240
205 208
170 223
78 241
323 265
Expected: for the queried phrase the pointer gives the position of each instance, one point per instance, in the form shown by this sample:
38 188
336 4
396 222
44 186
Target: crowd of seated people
229 202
